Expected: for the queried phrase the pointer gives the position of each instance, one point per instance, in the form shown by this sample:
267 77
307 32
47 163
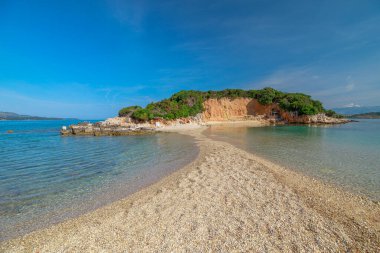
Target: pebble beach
227 200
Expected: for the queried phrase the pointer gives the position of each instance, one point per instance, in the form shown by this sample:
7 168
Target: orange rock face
225 109
234 109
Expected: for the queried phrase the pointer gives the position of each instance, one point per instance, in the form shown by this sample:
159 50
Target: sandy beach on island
227 200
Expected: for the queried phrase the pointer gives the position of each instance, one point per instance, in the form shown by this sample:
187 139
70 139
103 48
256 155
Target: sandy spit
227 200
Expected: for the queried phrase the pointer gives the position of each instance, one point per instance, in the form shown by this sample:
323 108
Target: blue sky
88 59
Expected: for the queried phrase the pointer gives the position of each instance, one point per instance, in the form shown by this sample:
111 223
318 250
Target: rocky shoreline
222 110
120 126
99 129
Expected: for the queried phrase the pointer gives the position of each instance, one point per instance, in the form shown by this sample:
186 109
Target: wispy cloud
123 95
335 85
17 96
129 12
172 77
68 99
328 50
350 83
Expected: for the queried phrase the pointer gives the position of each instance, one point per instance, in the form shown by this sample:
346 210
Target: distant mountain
357 110
369 115
15 116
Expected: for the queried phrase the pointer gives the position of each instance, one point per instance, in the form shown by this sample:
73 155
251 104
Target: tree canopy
127 111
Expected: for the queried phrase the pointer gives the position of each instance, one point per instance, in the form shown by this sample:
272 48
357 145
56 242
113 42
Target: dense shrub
180 105
189 103
142 114
333 114
266 96
301 103
127 111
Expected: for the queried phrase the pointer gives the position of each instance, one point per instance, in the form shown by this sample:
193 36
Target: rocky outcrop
126 126
102 128
226 109
311 119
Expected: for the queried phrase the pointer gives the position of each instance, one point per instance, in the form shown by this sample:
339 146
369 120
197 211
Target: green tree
266 95
127 111
142 115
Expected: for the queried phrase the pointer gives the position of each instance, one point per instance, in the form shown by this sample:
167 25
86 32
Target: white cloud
351 105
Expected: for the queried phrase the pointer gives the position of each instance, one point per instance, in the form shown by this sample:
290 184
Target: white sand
239 123
226 201
180 127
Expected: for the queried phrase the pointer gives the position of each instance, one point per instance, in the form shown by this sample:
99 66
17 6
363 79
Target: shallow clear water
346 155
46 178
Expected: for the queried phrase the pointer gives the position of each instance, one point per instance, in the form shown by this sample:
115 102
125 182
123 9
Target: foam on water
46 178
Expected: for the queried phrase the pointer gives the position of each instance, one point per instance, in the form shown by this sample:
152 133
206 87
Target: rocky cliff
226 109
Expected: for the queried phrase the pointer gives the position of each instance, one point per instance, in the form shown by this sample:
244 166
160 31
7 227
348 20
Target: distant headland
368 115
352 110
15 116
185 108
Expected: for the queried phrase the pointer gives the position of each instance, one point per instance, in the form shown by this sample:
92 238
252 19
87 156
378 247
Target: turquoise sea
46 178
344 155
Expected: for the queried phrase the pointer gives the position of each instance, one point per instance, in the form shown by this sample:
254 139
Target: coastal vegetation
332 113
127 111
190 103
